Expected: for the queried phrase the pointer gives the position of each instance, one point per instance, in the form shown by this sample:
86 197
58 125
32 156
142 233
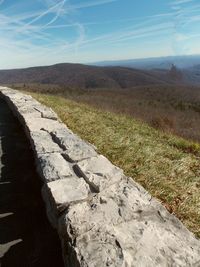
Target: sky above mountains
43 32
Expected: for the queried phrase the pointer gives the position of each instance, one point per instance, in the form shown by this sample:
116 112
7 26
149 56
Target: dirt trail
26 237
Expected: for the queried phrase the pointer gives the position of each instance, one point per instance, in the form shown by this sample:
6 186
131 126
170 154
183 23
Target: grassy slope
167 166
174 109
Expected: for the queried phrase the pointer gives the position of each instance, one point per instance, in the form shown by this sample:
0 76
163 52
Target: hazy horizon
46 32
102 61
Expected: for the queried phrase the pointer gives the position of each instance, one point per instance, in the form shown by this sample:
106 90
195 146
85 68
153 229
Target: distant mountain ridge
81 76
182 62
87 76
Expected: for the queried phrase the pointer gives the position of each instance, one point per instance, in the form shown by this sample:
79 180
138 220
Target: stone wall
103 217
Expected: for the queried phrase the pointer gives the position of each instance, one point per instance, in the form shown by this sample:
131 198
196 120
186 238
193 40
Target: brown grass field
170 108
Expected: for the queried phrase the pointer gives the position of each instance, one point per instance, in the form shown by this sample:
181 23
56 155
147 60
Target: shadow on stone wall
26 237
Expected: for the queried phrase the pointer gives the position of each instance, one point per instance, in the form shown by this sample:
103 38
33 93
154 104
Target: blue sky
43 32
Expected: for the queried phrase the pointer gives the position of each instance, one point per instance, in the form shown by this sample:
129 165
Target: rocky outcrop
103 217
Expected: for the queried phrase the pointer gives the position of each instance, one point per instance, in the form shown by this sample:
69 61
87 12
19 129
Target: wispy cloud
180 2
92 4
186 20
54 31
28 35
57 8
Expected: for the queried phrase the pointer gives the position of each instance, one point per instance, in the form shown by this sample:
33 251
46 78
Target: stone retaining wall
103 217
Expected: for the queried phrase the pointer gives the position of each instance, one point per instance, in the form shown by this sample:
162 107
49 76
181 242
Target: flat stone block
99 172
79 152
42 143
24 110
53 167
68 190
75 148
59 194
47 113
37 124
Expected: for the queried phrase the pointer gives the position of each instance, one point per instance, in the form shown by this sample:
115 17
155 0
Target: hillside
174 108
192 74
82 76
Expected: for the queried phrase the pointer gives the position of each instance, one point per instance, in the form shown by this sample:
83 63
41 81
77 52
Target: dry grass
175 109
167 166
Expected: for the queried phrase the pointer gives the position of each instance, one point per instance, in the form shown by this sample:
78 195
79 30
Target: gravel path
26 237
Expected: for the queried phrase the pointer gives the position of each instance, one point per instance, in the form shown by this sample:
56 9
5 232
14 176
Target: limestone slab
42 143
79 152
47 113
37 124
68 190
75 148
124 226
28 109
53 167
59 194
99 172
